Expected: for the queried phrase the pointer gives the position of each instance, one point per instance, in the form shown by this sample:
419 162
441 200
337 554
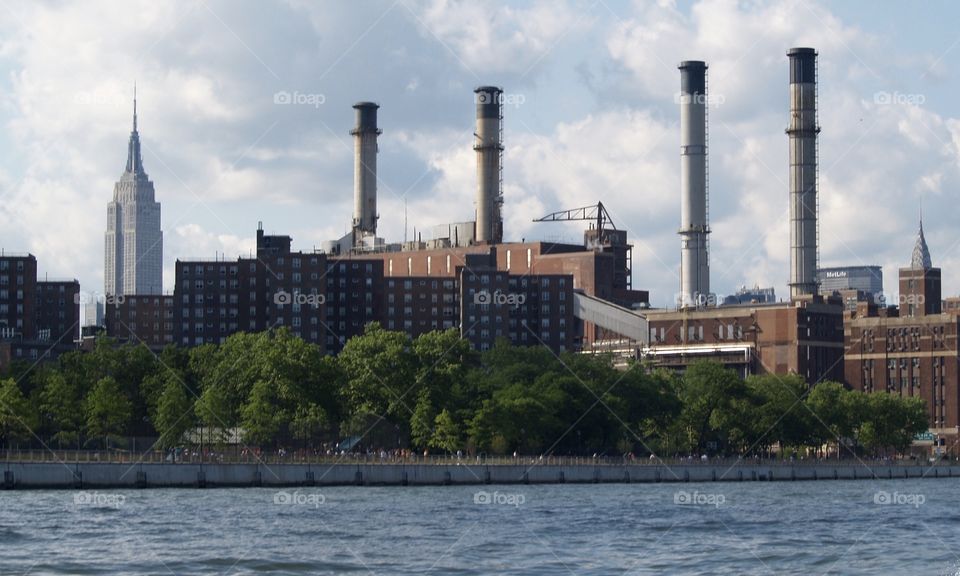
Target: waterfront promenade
84 470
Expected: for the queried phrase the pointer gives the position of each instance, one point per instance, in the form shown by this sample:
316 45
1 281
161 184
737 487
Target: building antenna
134 105
404 219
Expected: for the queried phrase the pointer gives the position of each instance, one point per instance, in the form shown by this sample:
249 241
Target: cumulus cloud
599 124
492 38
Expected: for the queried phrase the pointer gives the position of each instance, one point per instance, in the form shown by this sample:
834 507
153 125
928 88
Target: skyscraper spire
921 254
134 160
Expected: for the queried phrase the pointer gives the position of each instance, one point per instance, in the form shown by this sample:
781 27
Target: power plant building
803 336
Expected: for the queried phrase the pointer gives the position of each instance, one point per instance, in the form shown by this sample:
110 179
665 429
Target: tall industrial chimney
803 132
489 147
694 224
365 170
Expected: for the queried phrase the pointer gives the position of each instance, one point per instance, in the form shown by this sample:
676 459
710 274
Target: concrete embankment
24 475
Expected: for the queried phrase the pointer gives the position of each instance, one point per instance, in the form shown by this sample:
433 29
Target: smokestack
489 147
365 170
803 132
694 224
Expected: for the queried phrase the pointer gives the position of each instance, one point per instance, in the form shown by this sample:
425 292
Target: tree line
435 393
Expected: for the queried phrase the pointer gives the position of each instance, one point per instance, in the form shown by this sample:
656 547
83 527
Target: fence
244 456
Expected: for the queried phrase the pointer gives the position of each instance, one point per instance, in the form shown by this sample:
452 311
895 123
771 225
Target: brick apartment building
328 299
324 301
146 319
38 319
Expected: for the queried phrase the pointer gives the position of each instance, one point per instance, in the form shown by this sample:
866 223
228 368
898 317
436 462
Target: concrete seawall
102 475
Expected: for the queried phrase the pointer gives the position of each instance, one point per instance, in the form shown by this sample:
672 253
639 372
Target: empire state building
134 242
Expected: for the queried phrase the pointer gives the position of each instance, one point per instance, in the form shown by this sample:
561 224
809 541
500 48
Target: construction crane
597 213
603 236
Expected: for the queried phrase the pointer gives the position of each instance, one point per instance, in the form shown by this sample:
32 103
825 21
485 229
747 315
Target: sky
590 116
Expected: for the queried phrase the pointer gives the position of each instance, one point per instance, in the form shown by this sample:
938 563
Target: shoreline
56 475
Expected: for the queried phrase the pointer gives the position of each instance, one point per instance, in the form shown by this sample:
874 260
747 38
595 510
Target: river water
836 527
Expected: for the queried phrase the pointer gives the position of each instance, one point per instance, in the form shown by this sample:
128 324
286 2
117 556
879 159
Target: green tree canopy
108 411
18 417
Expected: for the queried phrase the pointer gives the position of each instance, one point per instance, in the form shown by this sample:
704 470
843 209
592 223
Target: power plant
579 296
804 336
803 132
487 226
694 223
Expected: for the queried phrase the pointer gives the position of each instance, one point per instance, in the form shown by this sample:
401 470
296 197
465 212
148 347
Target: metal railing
189 456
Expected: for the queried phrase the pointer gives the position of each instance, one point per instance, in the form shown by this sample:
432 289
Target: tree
261 416
647 404
309 421
212 408
830 422
174 414
891 422
442 361
446 434
421 422
778 413
915 418
380 371
108 410
61 401
709 394
18 419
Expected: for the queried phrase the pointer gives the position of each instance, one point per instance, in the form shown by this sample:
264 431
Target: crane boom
597 213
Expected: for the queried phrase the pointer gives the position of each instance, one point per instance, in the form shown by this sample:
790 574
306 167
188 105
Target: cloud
876 157
488 38
599 124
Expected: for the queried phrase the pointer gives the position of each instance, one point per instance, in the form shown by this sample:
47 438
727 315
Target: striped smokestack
803 132
694 220
488 143
365 170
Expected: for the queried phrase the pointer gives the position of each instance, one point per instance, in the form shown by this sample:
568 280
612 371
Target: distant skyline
245 112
